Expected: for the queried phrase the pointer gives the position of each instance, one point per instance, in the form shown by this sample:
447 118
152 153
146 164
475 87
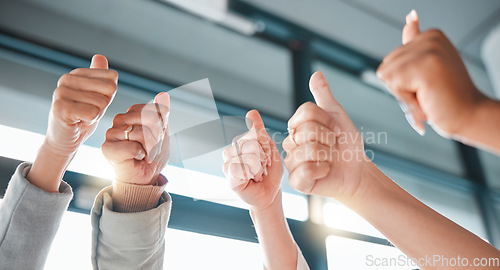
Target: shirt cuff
131 198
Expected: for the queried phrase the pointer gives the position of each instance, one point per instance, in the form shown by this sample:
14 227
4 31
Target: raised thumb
321 92
163 98
410 31
99 61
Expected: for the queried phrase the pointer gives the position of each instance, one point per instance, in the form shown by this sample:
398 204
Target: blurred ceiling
374 27
162 42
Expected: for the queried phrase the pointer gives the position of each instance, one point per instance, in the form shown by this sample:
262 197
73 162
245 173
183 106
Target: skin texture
140 159
243 163
431 82
413 227
326 145
79 102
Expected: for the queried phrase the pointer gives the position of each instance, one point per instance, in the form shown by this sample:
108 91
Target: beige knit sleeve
131 198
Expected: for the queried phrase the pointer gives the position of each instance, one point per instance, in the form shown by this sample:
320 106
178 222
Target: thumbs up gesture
253 165
325 152
79 101
430 81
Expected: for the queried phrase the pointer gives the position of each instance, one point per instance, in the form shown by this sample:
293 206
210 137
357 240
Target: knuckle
109 133
93 112
295 182
59 93
118 119
110 86
435 33
59 107
381 72
432 56
100 101
307 106
136 147
308 169
65 79
113 74
287 160
78 70
286 144
104 148
136 107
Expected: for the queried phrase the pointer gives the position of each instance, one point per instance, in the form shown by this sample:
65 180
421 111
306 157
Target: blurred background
256 54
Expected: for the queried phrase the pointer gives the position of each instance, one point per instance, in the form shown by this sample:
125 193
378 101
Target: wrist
371 181
478 121
48 169
49 149
274 207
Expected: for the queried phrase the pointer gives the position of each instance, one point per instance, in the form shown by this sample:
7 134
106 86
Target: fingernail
412 16
404 107
140 155
413 124
151 159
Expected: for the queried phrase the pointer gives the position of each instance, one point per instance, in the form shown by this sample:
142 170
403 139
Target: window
187 177
345 253
490 163
458 205
375 112
72 246
338 216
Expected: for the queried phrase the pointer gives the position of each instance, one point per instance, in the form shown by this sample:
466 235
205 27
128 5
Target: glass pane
457 205
338 216
345 253
375 112
162 42
72 246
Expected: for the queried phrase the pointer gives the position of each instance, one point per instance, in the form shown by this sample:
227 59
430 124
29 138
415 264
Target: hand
431 82
325 152
79 101
140 159
253 165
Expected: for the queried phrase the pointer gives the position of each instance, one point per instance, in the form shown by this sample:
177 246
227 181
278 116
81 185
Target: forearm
48 169
482 130
275 238
414 228
29 219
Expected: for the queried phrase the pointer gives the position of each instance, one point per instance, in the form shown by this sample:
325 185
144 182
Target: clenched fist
431 82
138 143
325 152
79 101
253 165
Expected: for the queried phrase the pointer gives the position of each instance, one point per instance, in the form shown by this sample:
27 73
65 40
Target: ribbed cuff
130 198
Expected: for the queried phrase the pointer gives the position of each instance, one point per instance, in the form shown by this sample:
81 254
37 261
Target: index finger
106 74
310 112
